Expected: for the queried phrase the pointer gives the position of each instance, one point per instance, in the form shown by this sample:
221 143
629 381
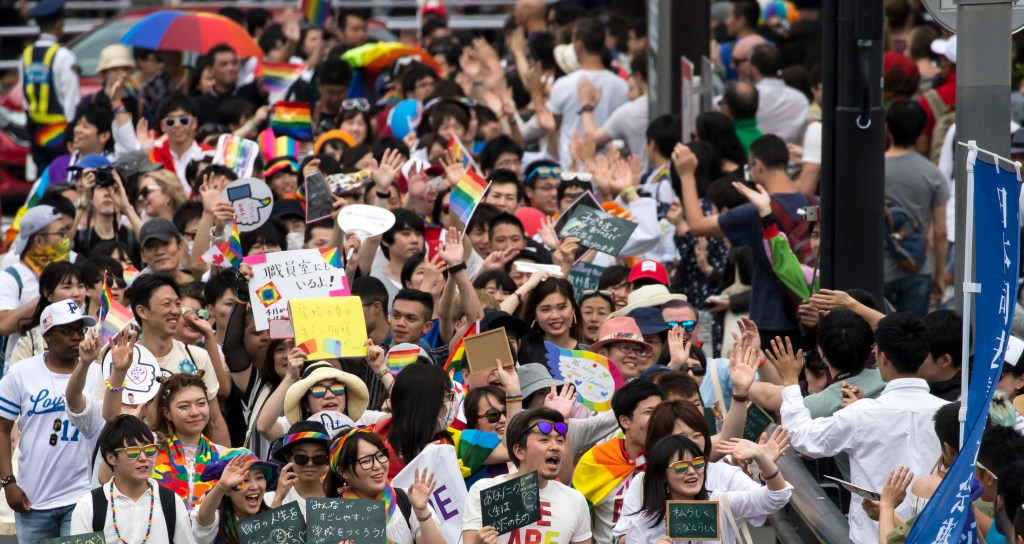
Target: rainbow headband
339 443
278 164
292 438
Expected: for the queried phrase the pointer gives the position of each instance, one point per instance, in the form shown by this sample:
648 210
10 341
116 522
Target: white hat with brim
565 58
64 312
356 395
115 56
646 297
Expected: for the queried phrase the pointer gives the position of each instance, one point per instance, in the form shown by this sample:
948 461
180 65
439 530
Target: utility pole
674 29
853 144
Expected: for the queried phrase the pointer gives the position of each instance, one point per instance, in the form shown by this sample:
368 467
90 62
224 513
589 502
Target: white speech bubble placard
365 220
252 200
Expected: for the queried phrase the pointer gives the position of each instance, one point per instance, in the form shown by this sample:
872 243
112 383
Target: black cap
287 207
46 8
495 319
158 228
135 162
649 320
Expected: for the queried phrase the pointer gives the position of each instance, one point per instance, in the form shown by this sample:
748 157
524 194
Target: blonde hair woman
160 194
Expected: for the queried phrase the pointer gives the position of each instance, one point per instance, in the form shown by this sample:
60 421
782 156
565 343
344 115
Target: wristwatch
8 480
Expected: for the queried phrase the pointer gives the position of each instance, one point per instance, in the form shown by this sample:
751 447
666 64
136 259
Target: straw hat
356 395
648 296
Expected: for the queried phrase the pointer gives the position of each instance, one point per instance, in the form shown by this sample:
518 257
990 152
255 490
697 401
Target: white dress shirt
132 517
181 163
781 110
895 429
65 79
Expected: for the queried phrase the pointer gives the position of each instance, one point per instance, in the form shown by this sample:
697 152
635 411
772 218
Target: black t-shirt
210 102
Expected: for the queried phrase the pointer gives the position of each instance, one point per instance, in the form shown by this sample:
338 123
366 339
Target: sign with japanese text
288 275
692 520
328 328
595 228
337 520
282 525
512 504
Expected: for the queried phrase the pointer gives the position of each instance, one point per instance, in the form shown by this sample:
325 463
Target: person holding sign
240 482
135 507
359 470
676 471
538 441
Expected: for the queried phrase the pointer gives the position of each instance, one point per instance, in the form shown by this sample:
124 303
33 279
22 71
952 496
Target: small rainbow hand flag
398 359
316 11
453 366
462 153
292 119
232 249
466 194
117 318
105 299
278 76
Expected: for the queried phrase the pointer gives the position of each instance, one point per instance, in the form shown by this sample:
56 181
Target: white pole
969 287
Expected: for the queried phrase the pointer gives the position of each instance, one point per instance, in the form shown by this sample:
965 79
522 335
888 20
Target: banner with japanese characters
289 275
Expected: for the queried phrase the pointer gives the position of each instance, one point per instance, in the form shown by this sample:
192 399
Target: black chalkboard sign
596 229
512 504
334 520
584 276
318 198
757 422
88 538
693 520
283 525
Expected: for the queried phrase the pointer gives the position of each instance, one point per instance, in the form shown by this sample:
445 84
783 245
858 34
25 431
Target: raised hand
199 324
145 136
311 166
122 349
743 369
758 197
386 172
895 488
777 443
374 356
830 299
561 402
740 449
296 358
788 364
684 160
547 232
498 259
88 348
285 483
452 168
422 485
452 251
509 380
678 348
234 473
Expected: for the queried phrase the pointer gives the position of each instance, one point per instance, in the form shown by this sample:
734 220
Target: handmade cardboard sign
140 385
288 275
594 377
485 349
282 525
512 504
336 520
327 328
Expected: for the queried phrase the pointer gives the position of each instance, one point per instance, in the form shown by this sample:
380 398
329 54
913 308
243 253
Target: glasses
697 463
318 460
70 331
145 191
318 391
631 348
493 415
62 233
360 104
366 462
581 176
586 293
698 370
687 326
545 427
181 120
133 452
545 171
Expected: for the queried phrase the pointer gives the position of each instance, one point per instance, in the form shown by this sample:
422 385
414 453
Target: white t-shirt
51 475
571 524
629 124
177 361
9 298
565 103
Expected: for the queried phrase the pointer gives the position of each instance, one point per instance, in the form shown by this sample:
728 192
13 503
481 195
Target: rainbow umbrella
374 57
194 32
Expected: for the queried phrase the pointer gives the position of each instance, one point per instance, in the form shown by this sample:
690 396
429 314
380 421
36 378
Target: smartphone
433 248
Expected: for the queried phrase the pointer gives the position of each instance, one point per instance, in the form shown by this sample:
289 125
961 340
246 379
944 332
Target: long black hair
655 491
416 399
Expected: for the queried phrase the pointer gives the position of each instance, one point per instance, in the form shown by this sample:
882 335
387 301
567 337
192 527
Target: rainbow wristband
511 399
113 389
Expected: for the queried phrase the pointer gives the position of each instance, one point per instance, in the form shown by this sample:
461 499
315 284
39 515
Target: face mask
295 240
37 259
188 246
446 420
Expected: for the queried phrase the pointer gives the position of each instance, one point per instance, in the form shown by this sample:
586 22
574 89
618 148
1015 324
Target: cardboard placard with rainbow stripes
326 328
282 277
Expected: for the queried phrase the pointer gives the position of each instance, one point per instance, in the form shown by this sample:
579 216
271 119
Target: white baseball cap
64 312
945 47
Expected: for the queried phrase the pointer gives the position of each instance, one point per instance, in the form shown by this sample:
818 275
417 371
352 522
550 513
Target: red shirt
947 92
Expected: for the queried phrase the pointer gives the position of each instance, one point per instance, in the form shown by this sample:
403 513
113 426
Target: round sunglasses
545 427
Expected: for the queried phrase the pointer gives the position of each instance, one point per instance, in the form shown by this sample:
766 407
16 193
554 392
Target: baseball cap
648 268
34 220
158 228
288 207
649 320
64 312
945 47
94 160
135 162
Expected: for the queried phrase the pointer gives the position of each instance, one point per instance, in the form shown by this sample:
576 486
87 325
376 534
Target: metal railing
811 504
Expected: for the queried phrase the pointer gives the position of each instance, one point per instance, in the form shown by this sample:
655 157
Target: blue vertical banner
948 518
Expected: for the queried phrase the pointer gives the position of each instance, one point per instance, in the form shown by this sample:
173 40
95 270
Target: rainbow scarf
472 448
170 472
466 194
51 136
602 469
292 119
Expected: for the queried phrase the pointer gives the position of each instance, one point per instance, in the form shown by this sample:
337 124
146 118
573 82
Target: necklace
113 514
58 422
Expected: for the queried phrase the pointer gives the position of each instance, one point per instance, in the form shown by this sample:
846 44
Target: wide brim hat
357 397
648 296
302 432
619 329
215 469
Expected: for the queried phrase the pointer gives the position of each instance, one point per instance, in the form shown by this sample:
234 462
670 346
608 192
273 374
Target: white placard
289 275
448 500
527 267
252 200
140 385
365 220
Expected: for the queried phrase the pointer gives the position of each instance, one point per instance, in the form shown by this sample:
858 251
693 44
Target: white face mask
295 240
446 420
188 246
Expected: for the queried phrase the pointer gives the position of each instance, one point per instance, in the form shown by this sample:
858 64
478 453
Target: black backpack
100 505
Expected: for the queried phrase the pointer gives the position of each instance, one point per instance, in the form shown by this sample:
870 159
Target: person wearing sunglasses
177 120
537 442
238 484
621 341
541 186
303 452
359 465
126 447
677 470
34 391
655 332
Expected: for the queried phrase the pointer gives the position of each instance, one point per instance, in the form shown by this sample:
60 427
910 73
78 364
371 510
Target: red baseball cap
649 269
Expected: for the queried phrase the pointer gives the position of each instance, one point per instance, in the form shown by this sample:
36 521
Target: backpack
904 237
798 232
404 505
945 117
6 339
100 505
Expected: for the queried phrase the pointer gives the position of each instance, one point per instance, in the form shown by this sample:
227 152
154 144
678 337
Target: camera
104 176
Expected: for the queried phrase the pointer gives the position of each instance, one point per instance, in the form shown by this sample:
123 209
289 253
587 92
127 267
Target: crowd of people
711 310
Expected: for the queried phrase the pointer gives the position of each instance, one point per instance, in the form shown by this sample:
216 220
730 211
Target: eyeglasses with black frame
366 462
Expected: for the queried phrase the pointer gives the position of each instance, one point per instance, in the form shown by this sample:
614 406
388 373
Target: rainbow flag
51 137
278 76
130 274
398 359
466 194
453 366
232 249
292 119
601 469
316 11
105 299
461 153
117 318
332 256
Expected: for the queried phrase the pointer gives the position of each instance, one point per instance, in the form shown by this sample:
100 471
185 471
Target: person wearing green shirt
740 103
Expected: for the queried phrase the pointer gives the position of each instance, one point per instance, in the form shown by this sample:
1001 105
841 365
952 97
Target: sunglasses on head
545 171
494 415
133 452
318 391
545 427
360 104
181 120
318 460
586 293
581 176
687 325
697 463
